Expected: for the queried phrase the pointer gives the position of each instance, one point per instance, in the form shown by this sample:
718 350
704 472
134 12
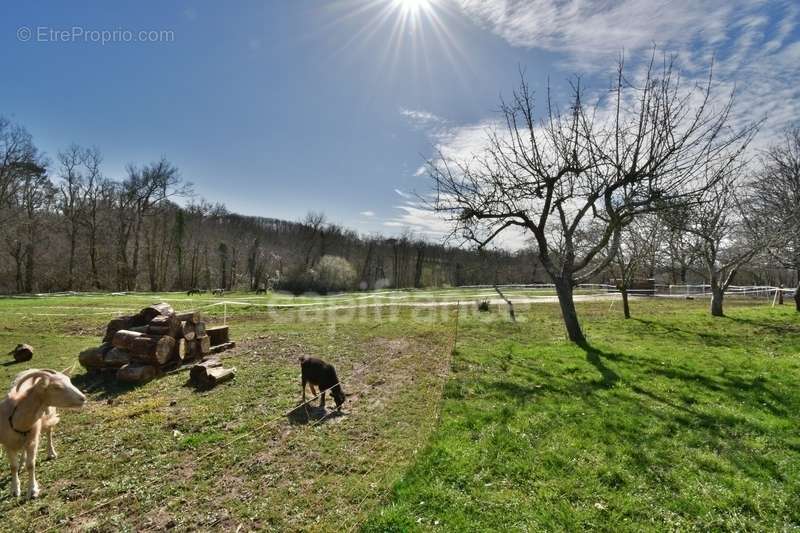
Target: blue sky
278 108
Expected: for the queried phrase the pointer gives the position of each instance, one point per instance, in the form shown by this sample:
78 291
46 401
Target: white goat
29 408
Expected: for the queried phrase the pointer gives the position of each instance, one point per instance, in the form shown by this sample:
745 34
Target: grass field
669 421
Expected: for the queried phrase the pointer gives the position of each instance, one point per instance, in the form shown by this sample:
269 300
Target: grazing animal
194 291
261 290
28 409
317 372
218 292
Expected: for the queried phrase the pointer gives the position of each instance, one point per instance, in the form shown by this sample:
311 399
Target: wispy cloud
755 44
367 213
421 118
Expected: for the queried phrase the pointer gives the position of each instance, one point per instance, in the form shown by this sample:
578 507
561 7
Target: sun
412 7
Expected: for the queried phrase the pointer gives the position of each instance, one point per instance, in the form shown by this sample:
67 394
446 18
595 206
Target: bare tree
19 159
573 181
636 255
725 236
95 197
777 197
144 189
69 201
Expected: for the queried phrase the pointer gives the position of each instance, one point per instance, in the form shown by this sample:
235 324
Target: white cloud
422 119
755 44
368 213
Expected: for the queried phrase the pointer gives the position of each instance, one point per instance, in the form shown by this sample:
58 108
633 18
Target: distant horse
218 292
194 291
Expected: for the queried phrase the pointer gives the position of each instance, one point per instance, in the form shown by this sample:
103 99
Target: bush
334 274
331 274
483 306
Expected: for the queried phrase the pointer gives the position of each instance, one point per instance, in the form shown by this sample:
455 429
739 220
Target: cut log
193 350
152 311
180 351
187 330
222 347
116 324
152 350
205 344
124 338
22 352
218 335
135 373
210 373
165 325
199 329
116 358
92 358
189 316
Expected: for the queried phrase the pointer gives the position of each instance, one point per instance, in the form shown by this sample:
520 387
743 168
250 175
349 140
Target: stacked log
139 347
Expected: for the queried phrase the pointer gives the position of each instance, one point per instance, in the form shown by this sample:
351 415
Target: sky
277 108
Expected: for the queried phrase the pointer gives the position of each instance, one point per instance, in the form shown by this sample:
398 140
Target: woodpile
139 347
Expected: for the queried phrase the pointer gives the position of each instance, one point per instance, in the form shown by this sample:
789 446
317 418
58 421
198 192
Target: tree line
66 226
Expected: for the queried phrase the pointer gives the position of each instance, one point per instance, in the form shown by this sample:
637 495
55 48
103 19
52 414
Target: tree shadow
594 357
783 328
711 339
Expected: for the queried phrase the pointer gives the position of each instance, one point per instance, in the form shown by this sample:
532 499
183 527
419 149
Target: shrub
331 274
334 274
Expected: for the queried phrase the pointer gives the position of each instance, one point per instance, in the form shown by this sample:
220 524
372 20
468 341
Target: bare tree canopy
777 198
724 232
573 180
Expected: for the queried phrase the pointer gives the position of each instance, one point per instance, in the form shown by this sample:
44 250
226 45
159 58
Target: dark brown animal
317 372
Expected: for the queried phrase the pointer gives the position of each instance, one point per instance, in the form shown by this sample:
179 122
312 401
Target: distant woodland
67 226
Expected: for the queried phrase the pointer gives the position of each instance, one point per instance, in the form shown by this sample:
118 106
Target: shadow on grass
595 357
711 339
778 328
312 415
102 385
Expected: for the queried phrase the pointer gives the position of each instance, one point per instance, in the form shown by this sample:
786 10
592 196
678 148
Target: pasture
669 421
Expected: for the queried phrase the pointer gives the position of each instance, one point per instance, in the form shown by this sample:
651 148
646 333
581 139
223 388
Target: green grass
669 421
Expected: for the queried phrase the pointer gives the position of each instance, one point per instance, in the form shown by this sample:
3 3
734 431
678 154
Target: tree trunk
71 264
29 262
93 260
797 293
626 309
565 300
717 295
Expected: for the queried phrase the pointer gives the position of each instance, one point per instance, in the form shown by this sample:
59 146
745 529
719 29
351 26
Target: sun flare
413 7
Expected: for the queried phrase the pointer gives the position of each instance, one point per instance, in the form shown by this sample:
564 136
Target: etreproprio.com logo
79 34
